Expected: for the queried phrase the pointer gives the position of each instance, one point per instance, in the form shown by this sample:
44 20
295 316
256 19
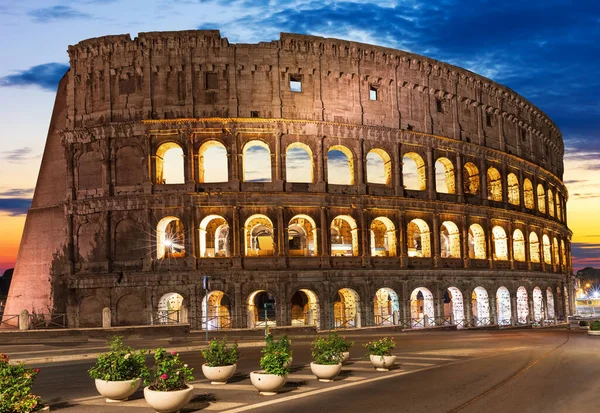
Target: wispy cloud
585 255
16 192
45 76
15 206
56 13
18 155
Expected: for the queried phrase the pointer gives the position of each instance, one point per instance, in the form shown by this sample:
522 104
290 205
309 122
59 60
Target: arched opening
534 247
383 238
346 309
171 309
302 237
547 249
454 306
550 303
379 167
550 203
212 162
218 316
470 179
480 306
170 238
559 208
421 308
538 305
344 236
477 248
522 305
563 253
214 237
384 306
340 166
503 310
494 184
444 176
555 251
513 189
518 246
305 308
299 163
500 243
449 240
541 196
90 312
256 162
258 231
528 194
414 172
262 309
418 238
128 311
170 164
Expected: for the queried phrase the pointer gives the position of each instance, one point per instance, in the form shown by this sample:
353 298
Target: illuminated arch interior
258 234
302 237
555 251
500 243
477 247
550 203
414 172
340 165
454 305
385 304
494 184
169 164
470 179
219 311
534 247
538 310
518 246
261 309
547 249
480 306
449 240
214 237
522 305
418 238
171 309
513 189
503 310
444 176
346 308
550 303
421 305
541 196
299 165
379 167
170 238
344 236
305 308
383 238
256 160
212 162
528 194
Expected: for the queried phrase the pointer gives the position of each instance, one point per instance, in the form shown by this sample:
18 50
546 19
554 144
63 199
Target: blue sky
547 51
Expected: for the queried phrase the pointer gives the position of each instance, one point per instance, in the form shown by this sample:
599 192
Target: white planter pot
325 372
382 363
117 391
168 401
219 374
267 384
584 327
346 355
593 333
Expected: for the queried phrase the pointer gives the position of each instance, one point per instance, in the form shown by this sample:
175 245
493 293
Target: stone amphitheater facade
480 238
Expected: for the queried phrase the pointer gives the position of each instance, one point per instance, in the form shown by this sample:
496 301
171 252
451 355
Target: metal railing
165 317
43 321
9 321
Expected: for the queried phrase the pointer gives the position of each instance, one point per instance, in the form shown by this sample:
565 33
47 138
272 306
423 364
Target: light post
205 284
266 306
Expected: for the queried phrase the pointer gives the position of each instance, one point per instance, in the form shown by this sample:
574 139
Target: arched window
528 194
344 236
379 167
449 240
477 248
212 162
563 253
547 249
414 172
550 202
256 162
340 166
383 238
258 231
513 189
494 184
470 179
559 207
169 164
299 163
541 196
302 237
522 305
214 237
418 239
170 238
500 243
444 176
534 247
518 246
555 251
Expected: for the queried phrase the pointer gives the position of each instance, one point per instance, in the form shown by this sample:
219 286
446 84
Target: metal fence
41 321
9 322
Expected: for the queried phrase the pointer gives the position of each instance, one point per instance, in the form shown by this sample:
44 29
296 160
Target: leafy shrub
583 323
342 343
217 354
595 326
326 350
277 355
16 381
169 372
120 363
381 347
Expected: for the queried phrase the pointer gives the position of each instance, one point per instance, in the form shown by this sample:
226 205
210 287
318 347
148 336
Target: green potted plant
275 361
327 358
166 388
16 381
380 353
584 325
343 344
594 328
119 373
220 361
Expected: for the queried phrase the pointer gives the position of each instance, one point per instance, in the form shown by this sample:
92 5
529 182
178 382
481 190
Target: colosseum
304 181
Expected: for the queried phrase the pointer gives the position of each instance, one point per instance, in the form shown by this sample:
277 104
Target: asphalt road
463 371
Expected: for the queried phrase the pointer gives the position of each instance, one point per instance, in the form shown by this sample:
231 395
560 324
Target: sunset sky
545 50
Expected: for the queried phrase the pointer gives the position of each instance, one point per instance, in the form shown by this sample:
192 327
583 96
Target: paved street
466 371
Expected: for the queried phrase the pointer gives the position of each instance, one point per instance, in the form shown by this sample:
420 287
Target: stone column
504 182
280 232
513 309
510 244
459 178
24 320
237 238
467 305
465 240
106 317
321 161
325 244
431 189
364 239
402 238
188 159
483 180
493 313
398 181
435 234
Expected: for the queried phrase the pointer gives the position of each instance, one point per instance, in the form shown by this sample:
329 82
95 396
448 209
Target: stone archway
480 306
454 306
218 316
171 309
538 305
385 304
305 308
422 313
503 307
262 310
522 305
550 303
346 309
